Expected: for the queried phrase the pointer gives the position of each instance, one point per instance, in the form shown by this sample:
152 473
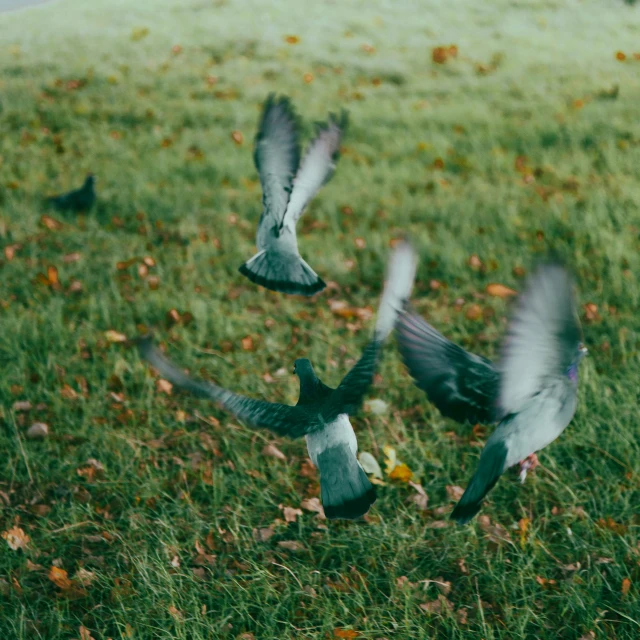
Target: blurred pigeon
288 185
533 392
462 385
538 383
322 413
81 199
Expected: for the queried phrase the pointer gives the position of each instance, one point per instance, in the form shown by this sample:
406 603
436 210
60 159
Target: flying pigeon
532 392
288 186
322 413
81 199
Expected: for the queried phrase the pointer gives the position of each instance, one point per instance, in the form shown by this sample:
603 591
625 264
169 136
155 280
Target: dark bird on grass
288 186
81 199
532 392
322 413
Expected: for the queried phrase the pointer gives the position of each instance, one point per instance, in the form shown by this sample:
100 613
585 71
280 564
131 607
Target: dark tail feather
490 468
283 272
346 490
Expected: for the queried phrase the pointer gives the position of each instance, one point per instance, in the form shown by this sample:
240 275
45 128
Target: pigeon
322 413
288 185
532 392
81 199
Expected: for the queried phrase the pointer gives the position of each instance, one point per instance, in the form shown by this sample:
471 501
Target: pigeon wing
281 419
316 168
462 385
542 339
348 397
276 155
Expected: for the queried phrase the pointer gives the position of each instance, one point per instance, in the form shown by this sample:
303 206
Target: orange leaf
237 137
626 585
247 343
60 578
621 56
308 77
50 223
499 290
474 312
345 633
292 39
401 472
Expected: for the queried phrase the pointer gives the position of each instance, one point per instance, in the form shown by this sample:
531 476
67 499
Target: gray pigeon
288 186
532 392
322 413
81 199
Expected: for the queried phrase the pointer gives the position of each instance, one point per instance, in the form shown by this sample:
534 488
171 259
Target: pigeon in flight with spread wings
81 199
322 413
532 392
288 186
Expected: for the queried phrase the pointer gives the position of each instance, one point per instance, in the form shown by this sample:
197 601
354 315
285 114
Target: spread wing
348 397
276 155
543 336
281 419
316 167
462 385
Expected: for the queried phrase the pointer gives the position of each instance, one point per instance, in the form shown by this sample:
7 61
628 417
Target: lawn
144 513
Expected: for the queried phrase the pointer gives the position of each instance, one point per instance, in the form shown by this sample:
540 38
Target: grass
539 151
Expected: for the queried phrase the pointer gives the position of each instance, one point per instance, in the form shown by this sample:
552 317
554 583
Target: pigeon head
90 180
308 379
572 371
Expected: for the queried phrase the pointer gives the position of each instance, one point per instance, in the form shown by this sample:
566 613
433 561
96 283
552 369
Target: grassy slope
171 479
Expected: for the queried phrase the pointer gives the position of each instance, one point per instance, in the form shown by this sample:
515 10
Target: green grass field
154 515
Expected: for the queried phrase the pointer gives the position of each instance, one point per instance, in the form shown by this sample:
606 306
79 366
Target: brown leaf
345 633
60 578
85 634
175 613
292 39
437 606
50 223
290 513
314 505
454 492
263 535
84 577
237 137
272 451
71 257
22 405
247 343
164 386
37 431
473 312
16 538
626 585
475 262
499 290
291 545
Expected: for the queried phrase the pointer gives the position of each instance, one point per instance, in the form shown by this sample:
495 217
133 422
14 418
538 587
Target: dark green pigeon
322 413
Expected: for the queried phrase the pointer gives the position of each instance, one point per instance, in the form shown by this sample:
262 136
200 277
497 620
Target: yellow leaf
115 336
401 472
390 458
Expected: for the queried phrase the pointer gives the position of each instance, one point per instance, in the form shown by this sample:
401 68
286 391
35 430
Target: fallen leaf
401 472
164 386
16 538
314 505
345 633
272 451
475 262
376 406
437 606
22 405
84 577
420 498
454 492
237 137
175 613
85 634
291 545
390 458
290 513
37 431
626 585
263 535
51 223
247 343
499 290
60 578
292 39
370 464
473 312
115 336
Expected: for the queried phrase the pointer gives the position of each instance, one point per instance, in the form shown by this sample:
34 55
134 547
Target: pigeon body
532 392
288 186
81 199
322 413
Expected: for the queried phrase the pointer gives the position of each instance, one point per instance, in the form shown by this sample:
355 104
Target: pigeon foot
528 464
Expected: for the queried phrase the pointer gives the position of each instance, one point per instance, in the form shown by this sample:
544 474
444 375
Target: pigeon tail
285 272
490 468
401 273
346 490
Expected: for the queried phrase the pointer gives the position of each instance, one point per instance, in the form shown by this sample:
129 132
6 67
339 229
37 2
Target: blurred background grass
524 140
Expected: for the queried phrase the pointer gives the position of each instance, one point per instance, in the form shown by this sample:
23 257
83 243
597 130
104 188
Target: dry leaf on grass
345 633
420 498
291 545
454 492
16 538
499 290
115 336
60 578
37 431
273 452
263 534
314 505
290 513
